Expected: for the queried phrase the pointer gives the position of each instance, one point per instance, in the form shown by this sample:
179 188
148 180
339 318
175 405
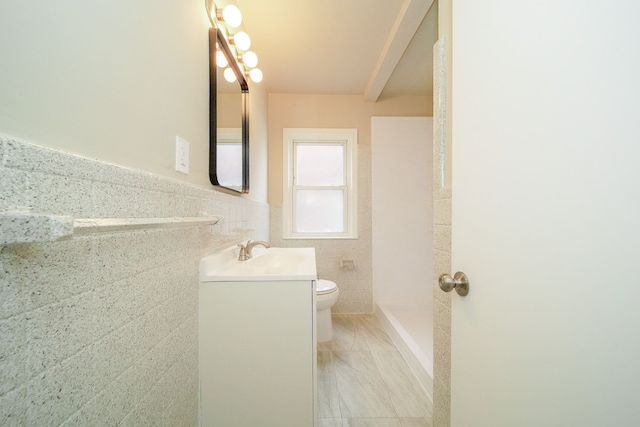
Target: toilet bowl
326 296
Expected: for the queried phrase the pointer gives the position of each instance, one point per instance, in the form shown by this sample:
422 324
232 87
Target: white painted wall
115 81
402 208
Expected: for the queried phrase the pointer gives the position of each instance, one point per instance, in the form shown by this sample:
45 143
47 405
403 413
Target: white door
546 213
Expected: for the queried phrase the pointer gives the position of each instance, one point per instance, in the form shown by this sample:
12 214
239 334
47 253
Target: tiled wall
102 329
356 292
442 243
442 310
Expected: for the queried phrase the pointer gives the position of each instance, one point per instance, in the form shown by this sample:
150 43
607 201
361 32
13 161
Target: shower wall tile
102 329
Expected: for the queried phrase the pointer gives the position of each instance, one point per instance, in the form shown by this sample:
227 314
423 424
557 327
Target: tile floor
363 381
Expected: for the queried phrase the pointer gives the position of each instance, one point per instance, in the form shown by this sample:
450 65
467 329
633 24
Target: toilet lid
325 287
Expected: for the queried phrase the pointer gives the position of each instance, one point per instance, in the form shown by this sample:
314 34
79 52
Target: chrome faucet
245 250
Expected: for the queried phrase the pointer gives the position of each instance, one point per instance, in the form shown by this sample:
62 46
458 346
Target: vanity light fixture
250 59
241 40
229 75
221 60
230 15
227 20
256 75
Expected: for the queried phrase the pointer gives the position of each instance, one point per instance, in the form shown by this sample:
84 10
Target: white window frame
346 137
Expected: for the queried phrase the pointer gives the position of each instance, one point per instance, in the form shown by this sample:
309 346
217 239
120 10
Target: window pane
319 164
319 211
229 164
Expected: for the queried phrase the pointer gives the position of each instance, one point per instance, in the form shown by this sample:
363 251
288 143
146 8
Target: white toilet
326 296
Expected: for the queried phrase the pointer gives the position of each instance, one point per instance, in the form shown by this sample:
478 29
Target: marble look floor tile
361 389
386 422
330 422
371 422
373 333
325 346
407 395
363 381
328 399
345 334
358 332
415 422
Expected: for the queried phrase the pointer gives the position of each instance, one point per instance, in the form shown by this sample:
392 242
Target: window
320 183
229 158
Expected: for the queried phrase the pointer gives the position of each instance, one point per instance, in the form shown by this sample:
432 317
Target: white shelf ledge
27 227
101 225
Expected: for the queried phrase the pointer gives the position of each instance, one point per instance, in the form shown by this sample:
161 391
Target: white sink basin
265 265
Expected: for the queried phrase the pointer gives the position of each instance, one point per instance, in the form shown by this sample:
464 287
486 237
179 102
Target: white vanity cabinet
257 353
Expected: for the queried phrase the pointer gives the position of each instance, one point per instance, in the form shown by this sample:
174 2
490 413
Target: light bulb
221 60
250 59
242 40
256 75
229 75
232 16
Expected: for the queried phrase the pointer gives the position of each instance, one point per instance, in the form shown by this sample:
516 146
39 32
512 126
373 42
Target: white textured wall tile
149 409
109 406
51 271
12 293
148 371
12 353
357 301
103 329
442 237
117 201
442 211
58 195
57 331
152 330
114 354
114 306
13 407
14 186
31 157
57 393
441 404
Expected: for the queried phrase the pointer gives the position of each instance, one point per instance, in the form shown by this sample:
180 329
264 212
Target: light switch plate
182 155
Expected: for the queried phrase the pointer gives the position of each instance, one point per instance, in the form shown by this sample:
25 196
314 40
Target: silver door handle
459 282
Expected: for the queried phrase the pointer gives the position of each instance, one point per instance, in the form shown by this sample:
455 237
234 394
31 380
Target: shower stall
402 209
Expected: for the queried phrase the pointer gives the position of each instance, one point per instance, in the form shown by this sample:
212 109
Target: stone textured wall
102 328
441 240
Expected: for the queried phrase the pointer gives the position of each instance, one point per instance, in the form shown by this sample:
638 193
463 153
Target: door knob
459 282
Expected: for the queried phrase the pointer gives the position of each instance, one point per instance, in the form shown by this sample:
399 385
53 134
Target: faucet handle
243 252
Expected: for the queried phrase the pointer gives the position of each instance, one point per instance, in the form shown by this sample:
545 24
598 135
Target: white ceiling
377 48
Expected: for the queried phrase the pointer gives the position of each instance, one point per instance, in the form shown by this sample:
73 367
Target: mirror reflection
229 122
229 157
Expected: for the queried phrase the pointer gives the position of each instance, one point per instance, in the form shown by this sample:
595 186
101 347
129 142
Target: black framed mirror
228 120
